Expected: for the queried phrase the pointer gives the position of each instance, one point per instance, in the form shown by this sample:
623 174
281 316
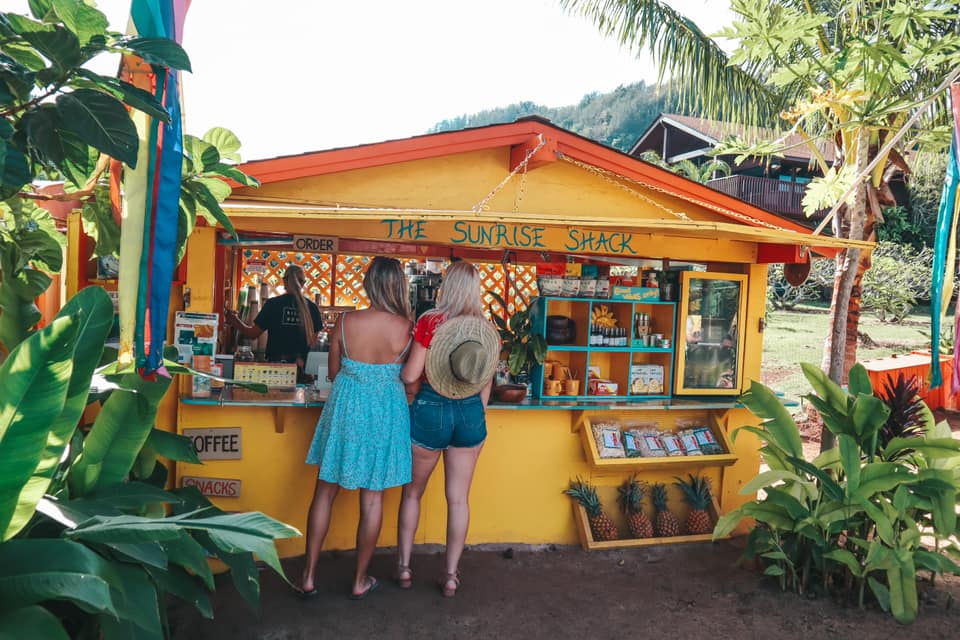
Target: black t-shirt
281 320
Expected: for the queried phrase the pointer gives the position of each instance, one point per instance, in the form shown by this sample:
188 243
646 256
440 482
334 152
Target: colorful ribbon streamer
944 248
150 209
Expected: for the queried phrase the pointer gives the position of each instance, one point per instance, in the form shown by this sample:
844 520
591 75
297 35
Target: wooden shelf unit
592 454
615 362
589 544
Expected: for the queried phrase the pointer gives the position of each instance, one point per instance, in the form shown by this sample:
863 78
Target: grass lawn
792 337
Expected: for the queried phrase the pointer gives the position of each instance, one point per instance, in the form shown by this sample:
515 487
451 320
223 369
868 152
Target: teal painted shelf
616 363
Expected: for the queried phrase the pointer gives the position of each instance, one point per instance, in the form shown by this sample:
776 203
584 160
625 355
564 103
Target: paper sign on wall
220 443
195 334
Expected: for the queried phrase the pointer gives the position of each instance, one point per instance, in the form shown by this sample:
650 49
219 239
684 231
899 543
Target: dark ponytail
294 280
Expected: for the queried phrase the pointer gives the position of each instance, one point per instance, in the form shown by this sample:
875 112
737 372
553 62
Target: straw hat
462 357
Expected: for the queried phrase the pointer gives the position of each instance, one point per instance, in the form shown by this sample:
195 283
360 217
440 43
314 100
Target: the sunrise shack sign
509 235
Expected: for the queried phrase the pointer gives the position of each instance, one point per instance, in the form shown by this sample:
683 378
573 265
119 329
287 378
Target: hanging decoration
945 248
151 195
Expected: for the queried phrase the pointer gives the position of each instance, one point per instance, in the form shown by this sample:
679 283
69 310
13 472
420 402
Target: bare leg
368 530
424 462
458 465
318 521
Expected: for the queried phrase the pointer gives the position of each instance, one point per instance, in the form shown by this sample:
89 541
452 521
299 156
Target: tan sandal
451 578
404 576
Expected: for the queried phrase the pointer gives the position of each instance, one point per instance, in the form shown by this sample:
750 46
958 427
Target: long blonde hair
387 286
294 280
459 293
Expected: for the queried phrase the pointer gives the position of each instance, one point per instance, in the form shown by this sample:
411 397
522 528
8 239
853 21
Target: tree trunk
856 299
848 262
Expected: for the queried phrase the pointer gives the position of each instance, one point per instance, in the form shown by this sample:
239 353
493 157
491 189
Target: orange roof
524 133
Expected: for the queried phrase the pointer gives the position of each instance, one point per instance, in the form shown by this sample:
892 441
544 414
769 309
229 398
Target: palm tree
701 173
845 73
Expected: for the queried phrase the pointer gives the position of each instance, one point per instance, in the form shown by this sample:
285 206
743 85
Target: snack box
646 378
601 387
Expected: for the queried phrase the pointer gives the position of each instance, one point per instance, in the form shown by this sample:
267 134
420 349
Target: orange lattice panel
349 278
319 270
493 278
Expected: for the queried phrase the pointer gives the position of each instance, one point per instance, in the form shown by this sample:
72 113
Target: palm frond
707 85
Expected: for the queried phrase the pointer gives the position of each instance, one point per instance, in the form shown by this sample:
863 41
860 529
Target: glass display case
710 343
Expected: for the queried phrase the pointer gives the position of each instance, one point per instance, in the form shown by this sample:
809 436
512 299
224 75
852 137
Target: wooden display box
589 544
674 463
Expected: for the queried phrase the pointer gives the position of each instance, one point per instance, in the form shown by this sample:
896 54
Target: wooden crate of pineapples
598 529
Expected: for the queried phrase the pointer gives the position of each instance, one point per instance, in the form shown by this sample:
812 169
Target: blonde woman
454 356
362 440
291 321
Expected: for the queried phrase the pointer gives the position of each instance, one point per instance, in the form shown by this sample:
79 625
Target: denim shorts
437 422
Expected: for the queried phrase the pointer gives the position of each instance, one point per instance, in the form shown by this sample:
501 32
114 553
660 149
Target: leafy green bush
850 523
898 277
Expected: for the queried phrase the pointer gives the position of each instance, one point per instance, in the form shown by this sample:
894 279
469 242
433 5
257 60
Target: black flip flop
363 594
306 595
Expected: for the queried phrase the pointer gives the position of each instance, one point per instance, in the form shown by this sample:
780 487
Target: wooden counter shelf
589 544
676 463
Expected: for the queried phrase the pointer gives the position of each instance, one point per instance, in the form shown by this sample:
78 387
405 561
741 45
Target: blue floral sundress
362 440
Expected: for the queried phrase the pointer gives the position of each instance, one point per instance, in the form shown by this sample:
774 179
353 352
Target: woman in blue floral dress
362 440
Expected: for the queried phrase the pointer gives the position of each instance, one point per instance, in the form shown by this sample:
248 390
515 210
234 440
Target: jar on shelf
244 354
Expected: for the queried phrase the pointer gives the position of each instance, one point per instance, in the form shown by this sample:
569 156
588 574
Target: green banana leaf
34 379
782 430
31 622
119 432
37 570
138 611
902 582
95 312
185 586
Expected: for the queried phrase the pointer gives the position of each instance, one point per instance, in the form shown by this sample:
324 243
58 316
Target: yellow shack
666 350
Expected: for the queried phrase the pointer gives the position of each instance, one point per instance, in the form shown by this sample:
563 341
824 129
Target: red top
426 327
423 333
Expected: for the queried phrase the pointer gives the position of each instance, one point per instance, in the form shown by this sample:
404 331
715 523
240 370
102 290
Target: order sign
315 244
222 443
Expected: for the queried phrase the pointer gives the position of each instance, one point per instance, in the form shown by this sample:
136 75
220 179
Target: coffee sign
222 443
214 487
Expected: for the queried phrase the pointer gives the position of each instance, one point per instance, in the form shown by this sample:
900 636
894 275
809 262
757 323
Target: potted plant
523 347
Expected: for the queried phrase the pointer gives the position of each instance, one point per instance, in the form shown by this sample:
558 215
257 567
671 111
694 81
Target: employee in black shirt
291 321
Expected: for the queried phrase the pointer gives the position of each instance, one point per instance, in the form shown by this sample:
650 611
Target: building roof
713 132
521 137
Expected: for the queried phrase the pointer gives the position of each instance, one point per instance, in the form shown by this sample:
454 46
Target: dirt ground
677 591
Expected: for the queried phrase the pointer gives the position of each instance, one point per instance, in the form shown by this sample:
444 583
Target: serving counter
532 450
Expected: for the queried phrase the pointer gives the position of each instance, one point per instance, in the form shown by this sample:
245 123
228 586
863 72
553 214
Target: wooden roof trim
504 135
669 182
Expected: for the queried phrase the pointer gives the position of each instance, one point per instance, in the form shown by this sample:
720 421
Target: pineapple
631 503
665 524
697 494
601 526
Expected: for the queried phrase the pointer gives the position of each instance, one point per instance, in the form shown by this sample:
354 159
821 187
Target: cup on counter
552 387
547 369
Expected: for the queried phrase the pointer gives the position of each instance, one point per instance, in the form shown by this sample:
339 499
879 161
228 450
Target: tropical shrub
900 276
84 518
851 522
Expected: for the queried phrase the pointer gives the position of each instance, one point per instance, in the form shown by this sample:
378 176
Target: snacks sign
214 487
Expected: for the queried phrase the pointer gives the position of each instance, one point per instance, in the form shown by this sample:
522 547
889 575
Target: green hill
615 119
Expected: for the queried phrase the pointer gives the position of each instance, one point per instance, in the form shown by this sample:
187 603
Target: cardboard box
601 387
646 379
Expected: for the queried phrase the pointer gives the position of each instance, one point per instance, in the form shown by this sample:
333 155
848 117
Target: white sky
289 76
